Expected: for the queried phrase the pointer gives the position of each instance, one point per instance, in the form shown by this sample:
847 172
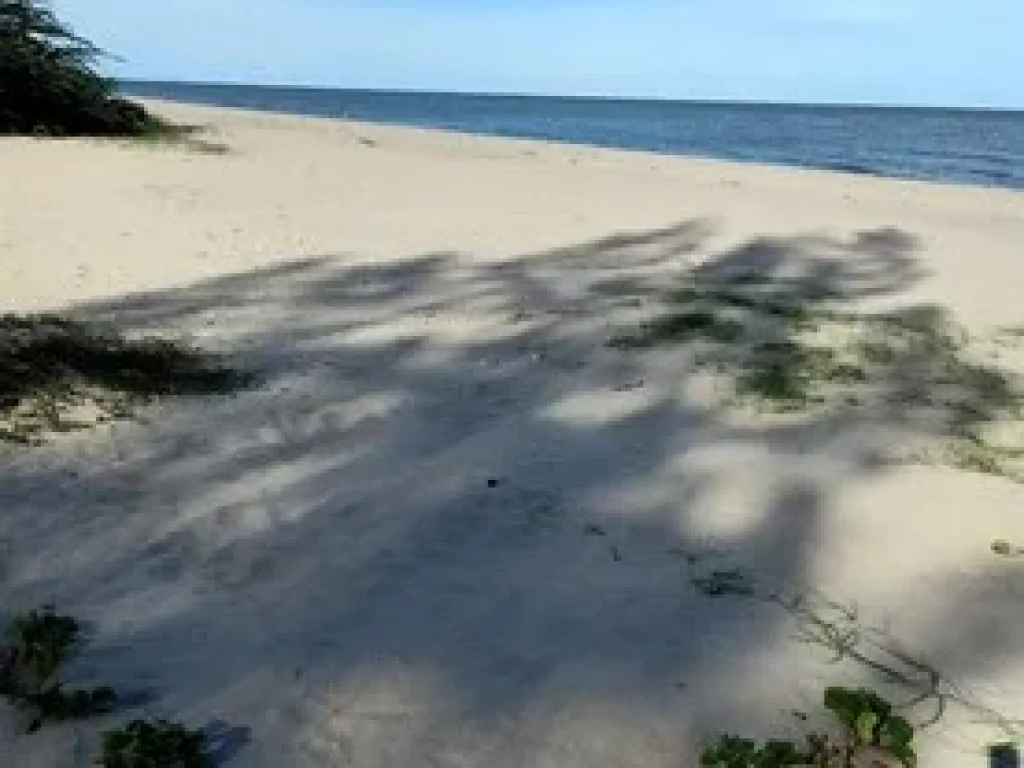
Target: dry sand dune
450 525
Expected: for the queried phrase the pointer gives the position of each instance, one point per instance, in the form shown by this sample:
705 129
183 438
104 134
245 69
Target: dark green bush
49 84
39 642
37 646
142 744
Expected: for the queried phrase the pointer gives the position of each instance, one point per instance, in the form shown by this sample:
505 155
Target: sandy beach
450 524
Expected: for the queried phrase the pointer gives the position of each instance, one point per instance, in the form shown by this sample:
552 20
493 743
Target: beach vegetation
57 375
680 326
158 744
38 644
779 349
868 726
50 85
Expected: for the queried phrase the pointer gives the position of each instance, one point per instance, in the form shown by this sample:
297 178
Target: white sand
319 567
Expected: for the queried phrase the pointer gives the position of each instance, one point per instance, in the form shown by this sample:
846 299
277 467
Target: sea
981 147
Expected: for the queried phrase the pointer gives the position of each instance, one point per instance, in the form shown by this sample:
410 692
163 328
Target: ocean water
962 146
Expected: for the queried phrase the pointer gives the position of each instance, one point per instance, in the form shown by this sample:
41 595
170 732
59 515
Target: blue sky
945 52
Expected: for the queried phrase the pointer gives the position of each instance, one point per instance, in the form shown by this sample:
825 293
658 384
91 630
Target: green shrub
39 642
48 81
734 752
870 721
869 725
38 645
161 744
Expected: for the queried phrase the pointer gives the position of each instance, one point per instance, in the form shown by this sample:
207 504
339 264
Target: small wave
860 170
1000 176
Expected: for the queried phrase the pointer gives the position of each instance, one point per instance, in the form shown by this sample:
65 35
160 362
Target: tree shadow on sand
456 526
53 370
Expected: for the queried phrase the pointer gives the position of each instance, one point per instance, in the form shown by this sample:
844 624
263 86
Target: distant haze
932 52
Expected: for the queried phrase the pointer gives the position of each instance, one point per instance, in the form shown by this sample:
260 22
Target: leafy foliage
871 722
870 725
48 81
735 752
39 643
161 744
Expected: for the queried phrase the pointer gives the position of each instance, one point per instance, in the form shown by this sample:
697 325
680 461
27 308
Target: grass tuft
681 326
50 367
167 135
790 375
786 351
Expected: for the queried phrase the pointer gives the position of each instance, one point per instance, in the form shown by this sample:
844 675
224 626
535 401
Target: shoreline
404 191
838 169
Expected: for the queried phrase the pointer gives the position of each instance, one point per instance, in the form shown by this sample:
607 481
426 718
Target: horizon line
582 97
